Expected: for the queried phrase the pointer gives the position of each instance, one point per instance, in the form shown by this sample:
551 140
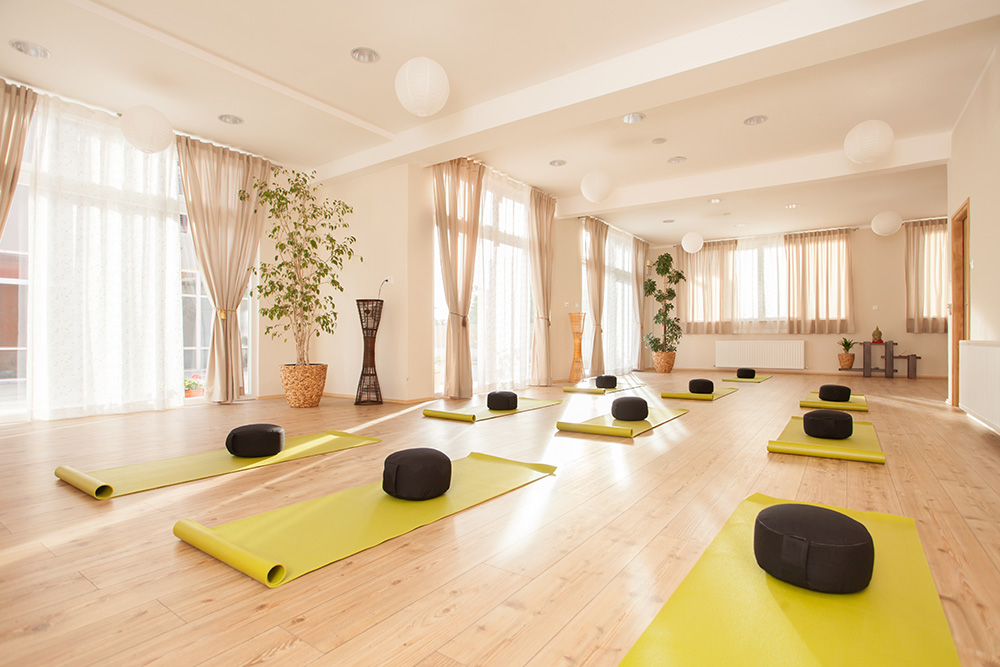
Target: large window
619 323
14 309
927 276
760 270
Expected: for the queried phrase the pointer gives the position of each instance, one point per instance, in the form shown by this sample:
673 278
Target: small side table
370 312
576 326
889 358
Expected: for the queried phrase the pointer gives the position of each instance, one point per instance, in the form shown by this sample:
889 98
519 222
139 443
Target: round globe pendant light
868 142
887 223
596 186
147 129
422 86
692 242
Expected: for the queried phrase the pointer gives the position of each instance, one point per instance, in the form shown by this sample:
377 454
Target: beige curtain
458 189
542 211
706 299
16 108
597 231
226 234
820 282
926 276
640 253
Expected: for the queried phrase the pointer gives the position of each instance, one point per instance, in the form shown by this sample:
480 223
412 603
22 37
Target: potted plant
664 348
846 358
295 287
194 386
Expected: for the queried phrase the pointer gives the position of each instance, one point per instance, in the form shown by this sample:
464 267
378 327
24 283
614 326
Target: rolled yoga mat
278 546
863 444
758 378
718 393
112 482
478 413
624 384
608 425
858 402
728 611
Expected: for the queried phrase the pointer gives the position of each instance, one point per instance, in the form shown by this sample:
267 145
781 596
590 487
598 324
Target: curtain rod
581 217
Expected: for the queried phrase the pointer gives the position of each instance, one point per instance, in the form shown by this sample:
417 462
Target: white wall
393 224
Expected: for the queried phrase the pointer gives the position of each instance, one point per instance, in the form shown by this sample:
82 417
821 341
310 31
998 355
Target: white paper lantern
147 129
887 223
868 142
596 186
692 242
422 86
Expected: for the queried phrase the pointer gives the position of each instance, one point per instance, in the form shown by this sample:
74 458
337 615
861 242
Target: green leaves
672 331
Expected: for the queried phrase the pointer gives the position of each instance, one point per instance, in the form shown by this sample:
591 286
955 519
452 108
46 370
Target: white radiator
979 380
760 353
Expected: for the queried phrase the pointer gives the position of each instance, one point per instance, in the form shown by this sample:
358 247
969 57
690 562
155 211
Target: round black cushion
830 424
630 408
814 548
701 386
834 392
748 373
607 382
255 440
501 400
416 474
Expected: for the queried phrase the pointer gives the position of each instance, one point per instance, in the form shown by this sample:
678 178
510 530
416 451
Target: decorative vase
303 384
877 335
846 360
663 362
576 328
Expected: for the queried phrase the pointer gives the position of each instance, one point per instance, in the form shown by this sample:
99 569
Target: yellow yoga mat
103 484
728 611
863 444
608 425
278 546
718 393
757 378
623 385
478 413
858 402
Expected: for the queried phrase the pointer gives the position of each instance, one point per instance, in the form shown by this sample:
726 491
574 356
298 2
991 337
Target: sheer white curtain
620 320
595 234
927 276
640 254
502 314
760 274
820 282
104 303
706 298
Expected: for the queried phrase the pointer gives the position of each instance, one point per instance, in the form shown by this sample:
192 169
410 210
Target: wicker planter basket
304 384
846 360
663 362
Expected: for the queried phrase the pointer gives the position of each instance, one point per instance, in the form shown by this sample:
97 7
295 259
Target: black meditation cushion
701 386
630 408
830 424
254 440
421 473
748 373
834 392
501 400
607 382
814 547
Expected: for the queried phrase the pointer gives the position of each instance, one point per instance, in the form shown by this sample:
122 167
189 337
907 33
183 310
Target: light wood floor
566 571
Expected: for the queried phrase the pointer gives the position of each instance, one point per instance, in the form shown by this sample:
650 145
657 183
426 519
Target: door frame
959 290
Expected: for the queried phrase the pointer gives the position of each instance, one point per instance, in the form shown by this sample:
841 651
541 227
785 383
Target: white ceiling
537 81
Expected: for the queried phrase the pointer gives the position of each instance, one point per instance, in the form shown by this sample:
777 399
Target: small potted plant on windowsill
664 348
846 358
194 386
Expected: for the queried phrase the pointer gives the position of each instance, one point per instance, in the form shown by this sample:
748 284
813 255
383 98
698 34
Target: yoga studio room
520 334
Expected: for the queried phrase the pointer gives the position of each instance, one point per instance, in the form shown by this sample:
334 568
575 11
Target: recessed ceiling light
793 205
633 118
714 200
727 213
29 49
230 119
363 54
658 140
677 159
755 120
740 224
667 222
557 163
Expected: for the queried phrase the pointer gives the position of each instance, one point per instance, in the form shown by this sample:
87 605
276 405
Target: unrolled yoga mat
757 378
858 402
728 611
278 546
478 413
861 446
103 484
608 425
718 393
587 389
